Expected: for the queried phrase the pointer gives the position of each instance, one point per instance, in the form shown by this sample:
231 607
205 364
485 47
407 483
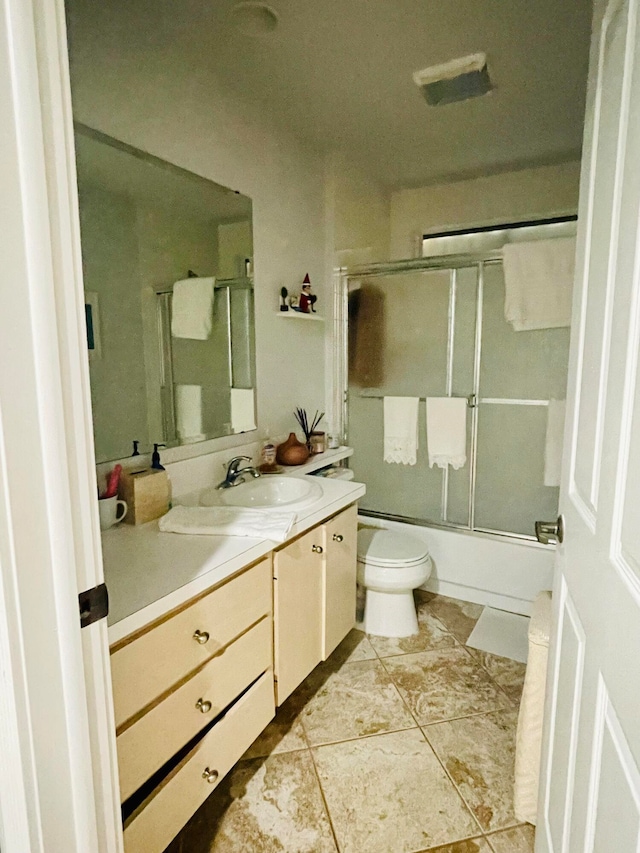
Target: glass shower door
520 372
415 337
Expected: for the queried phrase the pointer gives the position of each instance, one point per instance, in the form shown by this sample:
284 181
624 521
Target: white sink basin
266 492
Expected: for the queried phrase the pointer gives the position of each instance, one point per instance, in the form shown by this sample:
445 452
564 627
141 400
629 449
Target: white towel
538 278
189 413
228 521
553 443
401 430
447 431
243 413
192 308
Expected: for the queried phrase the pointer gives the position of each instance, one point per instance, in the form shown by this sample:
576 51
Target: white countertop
149 573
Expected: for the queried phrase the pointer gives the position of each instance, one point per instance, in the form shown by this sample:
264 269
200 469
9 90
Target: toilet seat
388 549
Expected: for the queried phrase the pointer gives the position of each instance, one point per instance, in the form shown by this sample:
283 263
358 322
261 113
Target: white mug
108 509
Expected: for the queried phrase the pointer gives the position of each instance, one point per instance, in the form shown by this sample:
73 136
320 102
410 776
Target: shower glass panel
425 320
436 327
512 420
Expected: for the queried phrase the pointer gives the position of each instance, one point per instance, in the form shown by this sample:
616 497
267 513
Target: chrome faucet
235 474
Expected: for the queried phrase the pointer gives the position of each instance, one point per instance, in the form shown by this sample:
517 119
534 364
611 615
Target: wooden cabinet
194 690
191 694
339 578
163 814
297 597
314 598
145 667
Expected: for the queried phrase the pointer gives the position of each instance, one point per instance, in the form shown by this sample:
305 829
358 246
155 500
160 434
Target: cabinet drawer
164 813
145 668
151 741
339 578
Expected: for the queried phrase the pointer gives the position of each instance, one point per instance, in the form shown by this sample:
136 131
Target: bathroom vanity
208 634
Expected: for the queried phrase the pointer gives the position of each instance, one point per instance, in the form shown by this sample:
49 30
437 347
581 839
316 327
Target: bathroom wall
150 98
511 196
357 213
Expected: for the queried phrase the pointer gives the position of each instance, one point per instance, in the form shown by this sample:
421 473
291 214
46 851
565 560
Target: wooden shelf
298 315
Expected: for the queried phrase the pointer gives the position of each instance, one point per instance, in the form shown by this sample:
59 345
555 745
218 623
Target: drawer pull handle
203 705
317 549
210 775
338 537
201 637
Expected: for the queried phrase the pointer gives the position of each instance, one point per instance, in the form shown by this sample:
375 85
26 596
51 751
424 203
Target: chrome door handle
317 549
338 537
203 705
548 532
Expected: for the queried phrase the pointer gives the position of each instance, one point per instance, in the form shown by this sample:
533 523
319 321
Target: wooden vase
292 451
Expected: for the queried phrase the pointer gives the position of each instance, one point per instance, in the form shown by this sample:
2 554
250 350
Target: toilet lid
388 548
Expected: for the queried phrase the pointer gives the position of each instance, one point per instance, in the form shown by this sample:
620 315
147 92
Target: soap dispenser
155 458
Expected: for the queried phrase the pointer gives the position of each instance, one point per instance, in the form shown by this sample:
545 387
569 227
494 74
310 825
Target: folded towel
401 430
553 443
192 308
538 278
243 414
189 413
228 521
447 431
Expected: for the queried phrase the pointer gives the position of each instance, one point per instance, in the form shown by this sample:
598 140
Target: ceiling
338 74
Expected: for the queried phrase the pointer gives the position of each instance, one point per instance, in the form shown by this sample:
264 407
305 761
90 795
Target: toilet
390 566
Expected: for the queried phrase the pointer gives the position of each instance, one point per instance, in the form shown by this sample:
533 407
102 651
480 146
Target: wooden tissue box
146 493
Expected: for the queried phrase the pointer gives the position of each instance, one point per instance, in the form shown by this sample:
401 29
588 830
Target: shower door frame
452 263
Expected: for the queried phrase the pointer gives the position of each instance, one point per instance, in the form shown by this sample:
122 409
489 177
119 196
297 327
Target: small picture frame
92 319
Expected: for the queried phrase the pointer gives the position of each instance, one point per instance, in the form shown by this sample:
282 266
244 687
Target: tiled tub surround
391 746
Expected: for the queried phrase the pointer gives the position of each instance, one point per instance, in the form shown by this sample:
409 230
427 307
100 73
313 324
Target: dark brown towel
366 336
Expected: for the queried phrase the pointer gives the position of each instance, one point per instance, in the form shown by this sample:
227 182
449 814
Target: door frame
58 774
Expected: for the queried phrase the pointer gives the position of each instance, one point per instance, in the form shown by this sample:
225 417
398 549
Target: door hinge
94 605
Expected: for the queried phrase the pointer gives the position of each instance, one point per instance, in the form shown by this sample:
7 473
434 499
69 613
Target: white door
58 773
590 791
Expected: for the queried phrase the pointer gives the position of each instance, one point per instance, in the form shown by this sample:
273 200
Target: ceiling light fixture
457 80
254 19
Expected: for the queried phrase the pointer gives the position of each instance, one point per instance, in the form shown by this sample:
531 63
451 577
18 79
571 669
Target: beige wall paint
525 194
358 210
153 101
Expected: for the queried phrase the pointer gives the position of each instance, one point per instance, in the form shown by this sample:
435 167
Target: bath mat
501 633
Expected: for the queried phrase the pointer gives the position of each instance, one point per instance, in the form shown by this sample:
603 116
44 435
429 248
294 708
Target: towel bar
471 399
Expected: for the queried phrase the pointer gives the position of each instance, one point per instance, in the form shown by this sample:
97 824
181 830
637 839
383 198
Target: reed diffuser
314 437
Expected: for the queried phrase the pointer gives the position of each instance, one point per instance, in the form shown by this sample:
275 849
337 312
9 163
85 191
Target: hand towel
189 413
243 414
447 431
228 521
192 308
401 430
538 278
553 442
366 306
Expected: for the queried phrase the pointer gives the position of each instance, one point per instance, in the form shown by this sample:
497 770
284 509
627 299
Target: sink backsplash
187 475
202 471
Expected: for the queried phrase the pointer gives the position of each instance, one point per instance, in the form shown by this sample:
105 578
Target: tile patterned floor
391 746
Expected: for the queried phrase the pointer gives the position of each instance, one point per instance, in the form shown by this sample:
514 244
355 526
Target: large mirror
167 263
